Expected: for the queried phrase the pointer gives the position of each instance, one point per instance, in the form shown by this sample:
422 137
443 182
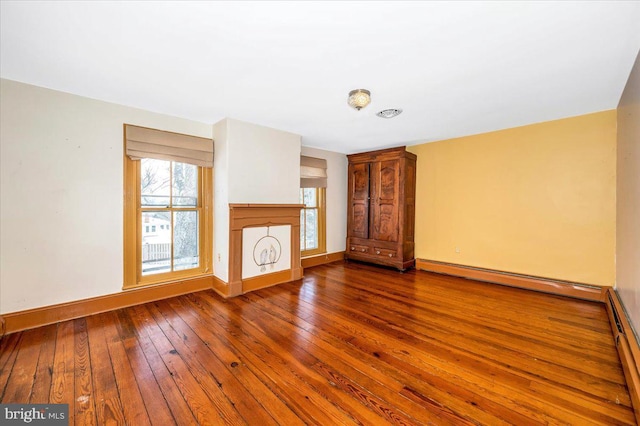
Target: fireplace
264 246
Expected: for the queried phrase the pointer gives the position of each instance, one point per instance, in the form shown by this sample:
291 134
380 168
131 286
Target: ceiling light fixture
359 98
389 113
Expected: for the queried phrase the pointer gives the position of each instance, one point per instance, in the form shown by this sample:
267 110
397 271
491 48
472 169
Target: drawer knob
378 252
353 248
364 249
390 255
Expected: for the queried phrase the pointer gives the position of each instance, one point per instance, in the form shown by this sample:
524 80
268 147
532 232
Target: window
312 221
313 183
173 200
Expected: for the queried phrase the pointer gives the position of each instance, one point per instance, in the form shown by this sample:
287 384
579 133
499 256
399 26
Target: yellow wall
536 200
628 197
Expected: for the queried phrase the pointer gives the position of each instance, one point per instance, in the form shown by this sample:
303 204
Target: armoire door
359 199
385 179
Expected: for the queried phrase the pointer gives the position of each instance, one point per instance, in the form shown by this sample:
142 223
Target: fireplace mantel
262 215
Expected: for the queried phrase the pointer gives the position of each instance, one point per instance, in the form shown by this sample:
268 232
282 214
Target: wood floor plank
128 391
448 315
384 382
20 382
108 406
439 382
84 402
8 346
485 343
212 384
438 317
227 353
336 369
311 404
350 343
305 364
63 381
522 350
150 391
413 358
611 389
9 352
202 408
44 371
176 402
189 342
438 300
131 400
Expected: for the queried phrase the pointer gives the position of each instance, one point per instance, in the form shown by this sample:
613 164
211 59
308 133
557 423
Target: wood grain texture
348 344
381 207
257 215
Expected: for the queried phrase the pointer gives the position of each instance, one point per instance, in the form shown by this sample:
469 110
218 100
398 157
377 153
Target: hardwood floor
349 344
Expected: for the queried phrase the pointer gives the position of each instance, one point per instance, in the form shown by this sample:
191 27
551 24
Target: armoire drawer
355 248
384 252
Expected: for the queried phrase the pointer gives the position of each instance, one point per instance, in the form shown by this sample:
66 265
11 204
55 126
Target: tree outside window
312 221
169 195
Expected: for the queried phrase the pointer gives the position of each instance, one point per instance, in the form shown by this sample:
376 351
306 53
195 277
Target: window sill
163 281
312 253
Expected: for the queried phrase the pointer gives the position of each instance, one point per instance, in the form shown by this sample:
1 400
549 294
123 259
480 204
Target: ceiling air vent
389 113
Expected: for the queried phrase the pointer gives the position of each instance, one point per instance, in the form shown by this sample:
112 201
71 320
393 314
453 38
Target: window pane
185 240
310 197
185 184
154 182
156 244
301 195
311 225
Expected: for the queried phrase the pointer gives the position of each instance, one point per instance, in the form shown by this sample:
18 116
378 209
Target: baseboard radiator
628 348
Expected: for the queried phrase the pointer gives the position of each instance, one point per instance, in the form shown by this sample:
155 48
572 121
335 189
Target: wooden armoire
381 207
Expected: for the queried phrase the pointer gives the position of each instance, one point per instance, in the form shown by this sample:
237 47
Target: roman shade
142 142
313 172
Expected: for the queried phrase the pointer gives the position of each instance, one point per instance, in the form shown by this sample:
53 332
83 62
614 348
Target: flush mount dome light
389 113
359 98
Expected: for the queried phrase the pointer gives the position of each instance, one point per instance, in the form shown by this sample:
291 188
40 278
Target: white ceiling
456 68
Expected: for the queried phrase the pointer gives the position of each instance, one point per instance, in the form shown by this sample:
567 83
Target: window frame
321 196
133 228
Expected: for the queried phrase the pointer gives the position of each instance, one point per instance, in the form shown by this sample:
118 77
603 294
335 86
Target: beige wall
336 197
221 201
536 200
628 198
61 184
253 164
264 164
